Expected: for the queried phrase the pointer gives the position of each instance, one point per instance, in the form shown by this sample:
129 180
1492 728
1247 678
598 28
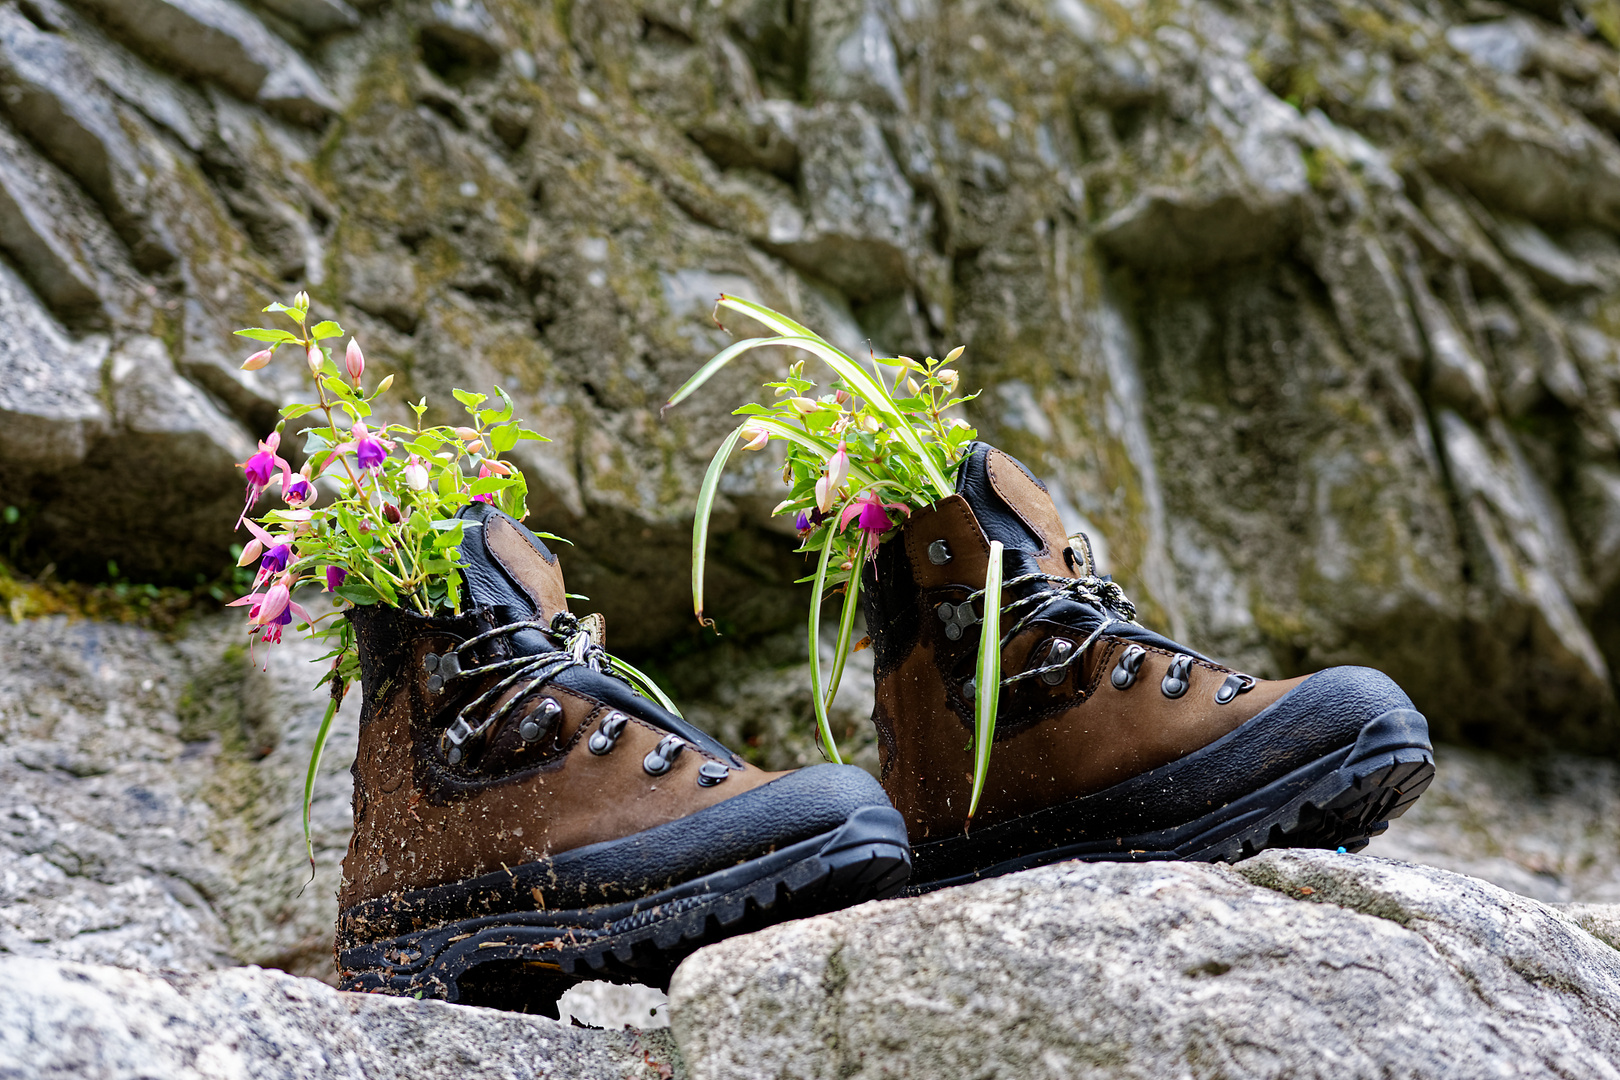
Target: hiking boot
1112 741
525 819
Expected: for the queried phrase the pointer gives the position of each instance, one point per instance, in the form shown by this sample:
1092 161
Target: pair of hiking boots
524 819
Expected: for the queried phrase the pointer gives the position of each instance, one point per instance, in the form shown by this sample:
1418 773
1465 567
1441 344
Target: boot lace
1100 592
576 647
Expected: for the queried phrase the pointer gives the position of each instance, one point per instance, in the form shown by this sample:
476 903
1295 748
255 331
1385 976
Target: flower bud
391 512
301 301
476 446
838 468
949 378
841 397
870 424
416 474
497 468
354 361
950 357
755 438
911 387
466 434
382 387
258 360
803 405
315 360
251 553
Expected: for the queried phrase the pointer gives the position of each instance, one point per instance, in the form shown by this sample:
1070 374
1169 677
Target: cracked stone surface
78 1020
1296 964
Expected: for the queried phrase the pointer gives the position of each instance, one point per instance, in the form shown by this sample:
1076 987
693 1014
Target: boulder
1296 964
100 1023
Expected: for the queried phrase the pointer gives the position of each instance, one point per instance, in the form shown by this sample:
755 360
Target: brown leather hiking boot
1111 741
524 818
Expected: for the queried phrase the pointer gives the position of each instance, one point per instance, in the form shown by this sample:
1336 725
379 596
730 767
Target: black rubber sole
1340 800
524 960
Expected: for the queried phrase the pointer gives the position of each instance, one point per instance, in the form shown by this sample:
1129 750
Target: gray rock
1204 303
78 1020
1302 964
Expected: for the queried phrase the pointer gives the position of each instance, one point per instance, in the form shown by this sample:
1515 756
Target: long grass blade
823 725
700 523
338 690
707 371
773 319
644 682
987 678
846 622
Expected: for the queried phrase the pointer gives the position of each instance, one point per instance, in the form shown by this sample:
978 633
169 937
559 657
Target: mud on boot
525 819
1112 741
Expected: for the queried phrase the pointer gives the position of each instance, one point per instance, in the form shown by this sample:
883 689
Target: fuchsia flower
276 553
299 492
272 610
871 516
828 487
806 522
334 578
354 360
260 468
258 360
416 474
368 448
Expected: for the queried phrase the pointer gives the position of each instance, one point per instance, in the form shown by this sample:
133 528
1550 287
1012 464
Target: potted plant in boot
993 630
529 809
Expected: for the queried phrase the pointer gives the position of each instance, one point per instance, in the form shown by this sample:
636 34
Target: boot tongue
508 568
1014 507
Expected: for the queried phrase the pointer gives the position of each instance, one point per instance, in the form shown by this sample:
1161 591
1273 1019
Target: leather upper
1053 743
423 821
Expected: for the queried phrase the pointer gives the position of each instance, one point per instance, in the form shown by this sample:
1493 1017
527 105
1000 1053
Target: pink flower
272 611
871 516
300 492
258 360
276 552
369 449
828 487
315 360
260 468
416 474
755 438
355 361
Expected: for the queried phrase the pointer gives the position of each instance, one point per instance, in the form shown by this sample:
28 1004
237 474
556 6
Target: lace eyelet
1124 673
1178 678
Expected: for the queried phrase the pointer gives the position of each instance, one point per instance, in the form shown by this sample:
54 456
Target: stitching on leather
990 471
506 565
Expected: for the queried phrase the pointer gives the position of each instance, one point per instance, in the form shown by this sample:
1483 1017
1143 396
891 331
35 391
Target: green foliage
861 456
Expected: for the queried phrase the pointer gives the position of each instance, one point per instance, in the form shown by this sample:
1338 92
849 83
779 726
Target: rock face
1308 310
1298 964
77 1020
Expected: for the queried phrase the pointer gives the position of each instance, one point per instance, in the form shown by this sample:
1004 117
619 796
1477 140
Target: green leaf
700 522
326 329
315 766
708 370
823 725
644 682
987 677
846 623
486 485
503 438
260 333
532 436
293 412
469 399
357 592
